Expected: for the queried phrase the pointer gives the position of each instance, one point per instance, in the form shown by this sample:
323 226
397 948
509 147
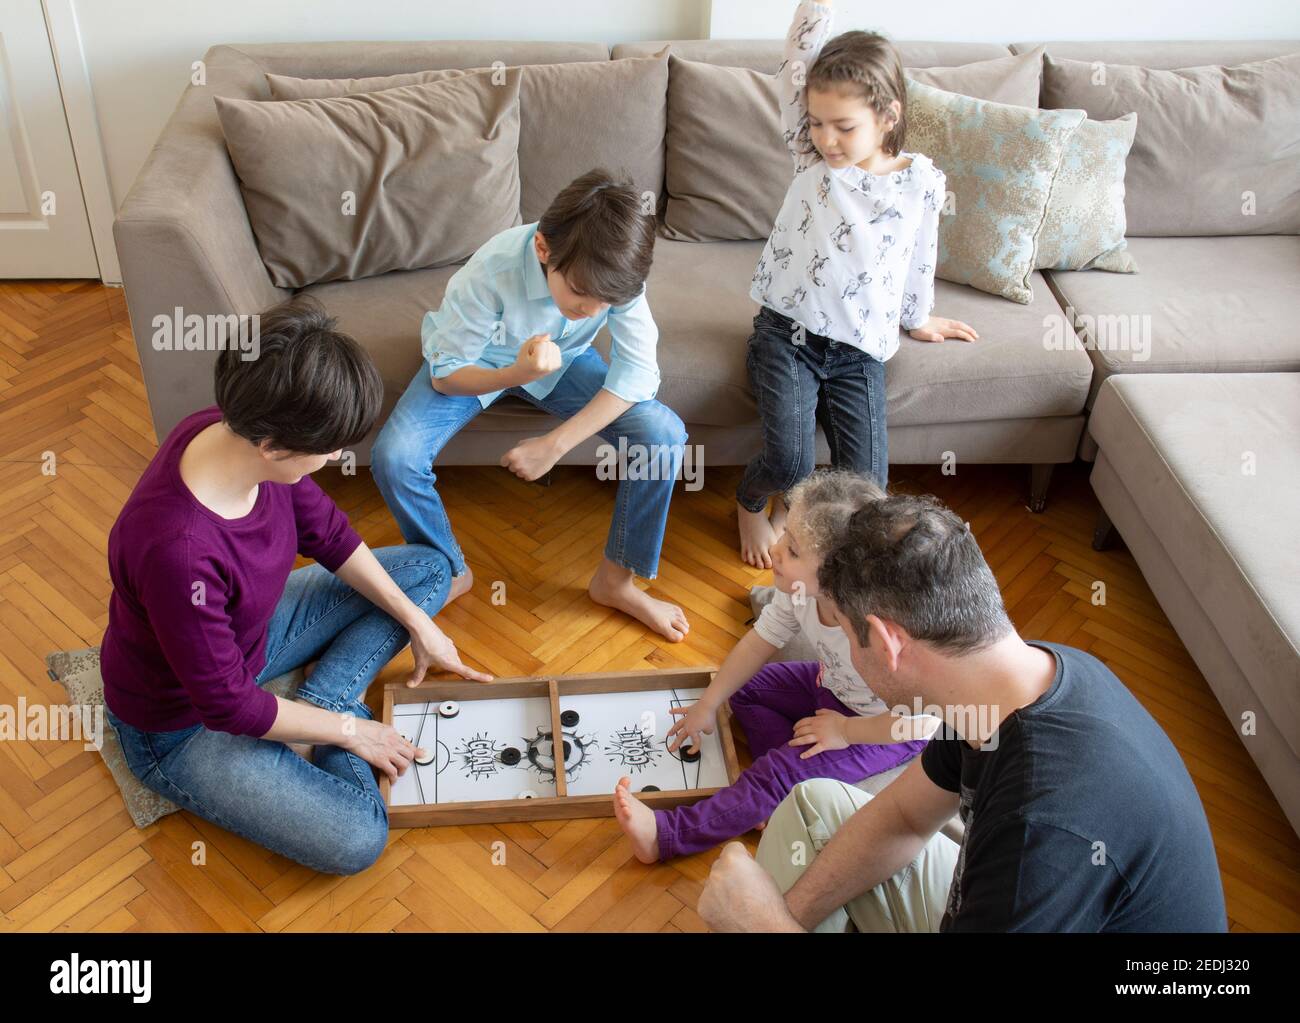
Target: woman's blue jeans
326 814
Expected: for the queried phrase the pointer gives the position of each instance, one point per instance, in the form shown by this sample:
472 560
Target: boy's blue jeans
327 814
424 420
797 386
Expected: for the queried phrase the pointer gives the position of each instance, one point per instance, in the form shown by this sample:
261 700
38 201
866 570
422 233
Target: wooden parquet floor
71 860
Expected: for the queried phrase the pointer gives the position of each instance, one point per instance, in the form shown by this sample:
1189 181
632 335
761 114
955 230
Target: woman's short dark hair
310 390
601 236
868 65
911 561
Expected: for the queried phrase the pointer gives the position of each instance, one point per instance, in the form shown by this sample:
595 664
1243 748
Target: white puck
449 709
427 759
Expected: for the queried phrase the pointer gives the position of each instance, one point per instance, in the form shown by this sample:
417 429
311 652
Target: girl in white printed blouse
850 260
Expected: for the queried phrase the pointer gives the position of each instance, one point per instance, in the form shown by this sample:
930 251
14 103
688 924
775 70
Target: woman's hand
381 746
696 720
937 328
827 730
433 650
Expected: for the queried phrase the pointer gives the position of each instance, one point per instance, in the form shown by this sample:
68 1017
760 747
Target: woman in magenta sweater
207 608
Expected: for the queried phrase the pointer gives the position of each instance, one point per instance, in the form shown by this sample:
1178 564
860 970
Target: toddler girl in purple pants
802 719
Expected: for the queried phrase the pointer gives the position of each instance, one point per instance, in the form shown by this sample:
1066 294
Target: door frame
83 127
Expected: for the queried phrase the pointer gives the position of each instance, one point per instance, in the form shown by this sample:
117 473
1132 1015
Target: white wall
138 52
1007 21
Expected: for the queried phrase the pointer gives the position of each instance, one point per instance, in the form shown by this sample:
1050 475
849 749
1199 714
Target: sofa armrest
184 240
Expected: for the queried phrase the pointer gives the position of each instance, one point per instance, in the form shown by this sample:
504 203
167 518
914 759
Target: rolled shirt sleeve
324 533
633 366
456 334
185 597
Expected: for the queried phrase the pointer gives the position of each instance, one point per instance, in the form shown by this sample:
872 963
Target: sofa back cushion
574 117
727 169
353 186
1215 151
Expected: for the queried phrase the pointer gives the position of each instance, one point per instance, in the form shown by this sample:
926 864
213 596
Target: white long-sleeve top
852 254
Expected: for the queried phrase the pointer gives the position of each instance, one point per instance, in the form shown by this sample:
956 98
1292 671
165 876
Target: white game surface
616 734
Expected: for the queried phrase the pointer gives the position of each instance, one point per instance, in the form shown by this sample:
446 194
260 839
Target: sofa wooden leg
1103 534
1040 476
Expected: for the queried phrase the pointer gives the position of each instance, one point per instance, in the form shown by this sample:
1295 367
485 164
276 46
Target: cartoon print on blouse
883 246
840 676
888 214
861 331
815 264
824 190
860 281
823 322
782 256
840 236
792 301
887 282
805 28
909 305
807 217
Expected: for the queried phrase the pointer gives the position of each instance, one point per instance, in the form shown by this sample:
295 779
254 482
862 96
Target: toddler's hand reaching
695 720
826 731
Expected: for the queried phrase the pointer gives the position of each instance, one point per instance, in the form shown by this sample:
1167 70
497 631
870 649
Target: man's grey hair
912 561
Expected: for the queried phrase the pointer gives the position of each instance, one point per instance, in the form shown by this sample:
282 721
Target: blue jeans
798 385
328 814
424 420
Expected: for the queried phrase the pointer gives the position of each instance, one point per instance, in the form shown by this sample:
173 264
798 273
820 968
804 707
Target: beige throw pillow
576 116
1217 150
727 169
1000 162
354 186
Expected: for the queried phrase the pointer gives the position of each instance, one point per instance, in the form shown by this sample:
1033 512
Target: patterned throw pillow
1000 161
1085 216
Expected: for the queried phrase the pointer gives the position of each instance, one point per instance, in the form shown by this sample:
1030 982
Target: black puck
510 756
569 718
567 749
650 788
689 755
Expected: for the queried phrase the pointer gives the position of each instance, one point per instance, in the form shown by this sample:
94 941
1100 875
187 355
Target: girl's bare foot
756 537
614 586
637 821
779 512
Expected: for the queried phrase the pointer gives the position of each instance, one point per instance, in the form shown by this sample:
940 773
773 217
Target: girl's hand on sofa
827 730
937 328
533 458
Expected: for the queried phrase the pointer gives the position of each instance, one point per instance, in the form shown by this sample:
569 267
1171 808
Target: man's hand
433 650
827 730
741 897
537 357
532 458
936 328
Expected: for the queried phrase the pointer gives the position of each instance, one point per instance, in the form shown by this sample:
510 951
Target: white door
44 231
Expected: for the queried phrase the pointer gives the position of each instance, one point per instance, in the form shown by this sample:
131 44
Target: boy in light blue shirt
519 318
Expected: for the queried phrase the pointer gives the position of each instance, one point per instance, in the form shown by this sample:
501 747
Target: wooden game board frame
552 687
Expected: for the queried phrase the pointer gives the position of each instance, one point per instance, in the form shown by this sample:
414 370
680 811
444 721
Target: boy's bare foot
756 537
637 821
460 585
614 586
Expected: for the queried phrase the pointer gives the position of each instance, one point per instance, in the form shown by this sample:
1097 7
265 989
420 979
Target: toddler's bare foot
614 586
756 537
637 821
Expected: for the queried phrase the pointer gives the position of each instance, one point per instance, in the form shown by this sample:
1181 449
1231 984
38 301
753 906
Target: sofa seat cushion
1196 305
699 295
1212 462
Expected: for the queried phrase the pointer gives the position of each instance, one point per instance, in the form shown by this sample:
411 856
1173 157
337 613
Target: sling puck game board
493 755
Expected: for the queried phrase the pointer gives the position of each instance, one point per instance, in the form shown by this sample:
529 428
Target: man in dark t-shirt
1078 812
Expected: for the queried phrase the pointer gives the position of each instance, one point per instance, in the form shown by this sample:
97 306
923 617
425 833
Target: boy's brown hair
600 237
868 65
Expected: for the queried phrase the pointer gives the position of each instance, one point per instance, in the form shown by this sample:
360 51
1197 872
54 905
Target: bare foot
613 586
779 512
460 585
637 821
756 537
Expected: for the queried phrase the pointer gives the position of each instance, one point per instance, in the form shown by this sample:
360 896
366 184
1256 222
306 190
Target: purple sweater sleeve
185 596
324 532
